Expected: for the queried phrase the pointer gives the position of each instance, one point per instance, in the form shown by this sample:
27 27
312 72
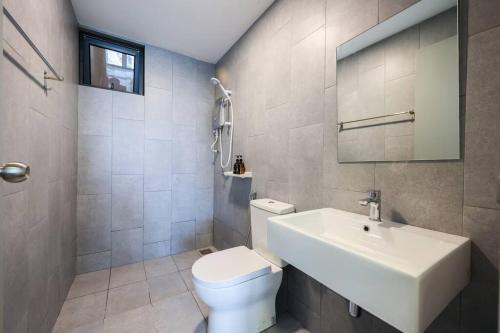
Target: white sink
402 274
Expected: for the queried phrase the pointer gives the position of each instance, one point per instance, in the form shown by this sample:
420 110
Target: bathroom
124 207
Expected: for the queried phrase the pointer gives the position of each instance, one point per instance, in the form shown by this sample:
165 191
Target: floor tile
186 259
201 305
89 283
128 297
94 327
187 276
138 320
80 311
286 324
127 274
178 314
160 266
166 286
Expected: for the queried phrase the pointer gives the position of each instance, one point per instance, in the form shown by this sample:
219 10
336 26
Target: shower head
216 82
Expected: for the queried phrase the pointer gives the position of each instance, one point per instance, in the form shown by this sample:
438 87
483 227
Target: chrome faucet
374 201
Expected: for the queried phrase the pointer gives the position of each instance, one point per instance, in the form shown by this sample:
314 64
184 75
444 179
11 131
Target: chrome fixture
224 117
28 40
14 172
374 200
353 309
411 113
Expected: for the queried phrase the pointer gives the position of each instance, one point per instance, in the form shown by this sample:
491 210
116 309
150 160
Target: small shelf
231 174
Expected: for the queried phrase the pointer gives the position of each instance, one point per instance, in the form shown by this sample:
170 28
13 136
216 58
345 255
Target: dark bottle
242 165
236 167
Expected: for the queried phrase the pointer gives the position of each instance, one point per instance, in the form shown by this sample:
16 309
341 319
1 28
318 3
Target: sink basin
402 274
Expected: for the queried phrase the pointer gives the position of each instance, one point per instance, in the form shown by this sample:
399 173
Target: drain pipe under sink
353 309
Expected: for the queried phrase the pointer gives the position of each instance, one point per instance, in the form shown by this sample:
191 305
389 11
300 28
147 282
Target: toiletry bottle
236 167
242 165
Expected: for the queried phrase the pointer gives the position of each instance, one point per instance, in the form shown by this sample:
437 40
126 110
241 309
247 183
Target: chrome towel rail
16 25
410 112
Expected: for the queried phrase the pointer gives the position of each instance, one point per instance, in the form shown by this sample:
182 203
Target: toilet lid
229 267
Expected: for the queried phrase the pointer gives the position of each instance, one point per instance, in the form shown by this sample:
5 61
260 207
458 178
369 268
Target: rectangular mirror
398 88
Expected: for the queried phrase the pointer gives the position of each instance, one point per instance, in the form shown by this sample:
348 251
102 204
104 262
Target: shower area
115 178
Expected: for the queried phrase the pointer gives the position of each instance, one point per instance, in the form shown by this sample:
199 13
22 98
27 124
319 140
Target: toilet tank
260 211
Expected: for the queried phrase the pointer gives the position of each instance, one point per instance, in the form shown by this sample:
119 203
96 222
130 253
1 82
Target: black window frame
90 38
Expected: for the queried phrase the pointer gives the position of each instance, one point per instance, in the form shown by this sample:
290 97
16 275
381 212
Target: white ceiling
202 29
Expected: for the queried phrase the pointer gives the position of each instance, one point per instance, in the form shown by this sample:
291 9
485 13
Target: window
110 63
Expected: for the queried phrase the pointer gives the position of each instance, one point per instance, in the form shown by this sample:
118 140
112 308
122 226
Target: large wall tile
94 164
483 15
482 156
204 211
13 213
93 240
158 123
127 202
127 247
307 88
94 211
183 198
128 106
157 216
335 315
306 165
157 165
128 147
304 315
158 68
156 250
184 66
305 289
183 236
483 227
93 262
479 298
39 162
423 194
307 16
388 8
344 20
205 171
94 111
38 275
93 223
278 72
277 144
184 103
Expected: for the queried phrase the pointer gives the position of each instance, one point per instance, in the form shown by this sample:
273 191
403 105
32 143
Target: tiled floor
152 296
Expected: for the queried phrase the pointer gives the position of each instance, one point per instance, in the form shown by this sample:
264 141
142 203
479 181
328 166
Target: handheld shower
216 82
226 102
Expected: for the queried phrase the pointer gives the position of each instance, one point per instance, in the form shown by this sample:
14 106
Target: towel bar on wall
410 112
56 76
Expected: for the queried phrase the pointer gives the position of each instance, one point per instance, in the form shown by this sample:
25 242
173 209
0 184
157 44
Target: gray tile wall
145 170
38 217
283 75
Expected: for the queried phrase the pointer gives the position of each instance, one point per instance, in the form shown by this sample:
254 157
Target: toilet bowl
239 285
239 288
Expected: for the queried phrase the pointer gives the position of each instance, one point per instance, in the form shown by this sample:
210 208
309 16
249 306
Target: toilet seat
229 267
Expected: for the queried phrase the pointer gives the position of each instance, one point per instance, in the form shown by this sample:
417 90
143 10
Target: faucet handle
363 203
374 194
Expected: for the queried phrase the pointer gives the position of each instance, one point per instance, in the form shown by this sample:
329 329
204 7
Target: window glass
111 63
111 69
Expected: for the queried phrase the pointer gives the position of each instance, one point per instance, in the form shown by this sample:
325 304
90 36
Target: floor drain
205 251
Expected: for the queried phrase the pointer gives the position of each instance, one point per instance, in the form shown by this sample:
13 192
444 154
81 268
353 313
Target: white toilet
239 285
